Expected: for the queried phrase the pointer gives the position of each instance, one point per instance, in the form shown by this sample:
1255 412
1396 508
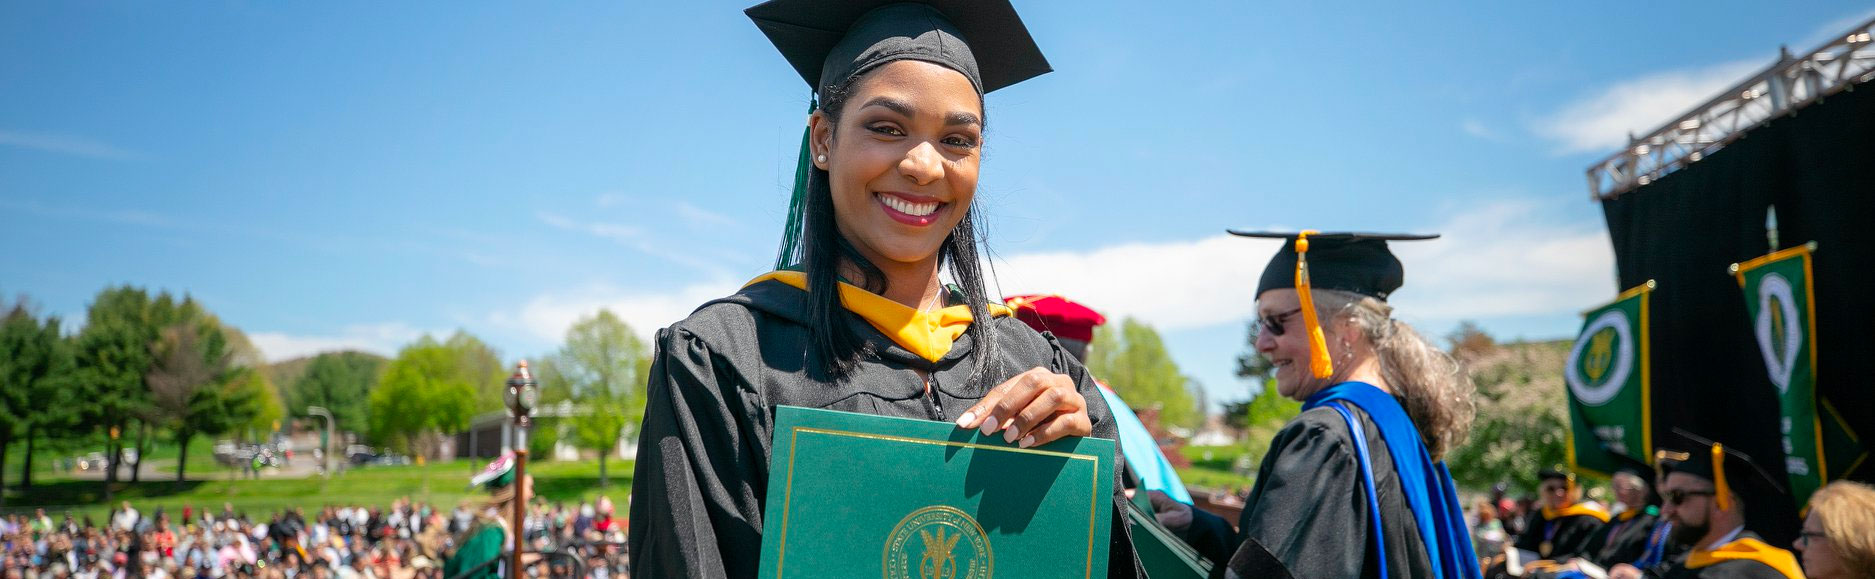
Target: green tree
113 356
423 391
1522 419
340 382
260 398
1137 366
480 365
35 365
193 384
602 370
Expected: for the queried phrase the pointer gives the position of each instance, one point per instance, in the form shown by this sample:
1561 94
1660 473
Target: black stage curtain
1818 167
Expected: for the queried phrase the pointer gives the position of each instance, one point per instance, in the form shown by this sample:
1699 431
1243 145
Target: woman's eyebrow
955 119
906 109
897 106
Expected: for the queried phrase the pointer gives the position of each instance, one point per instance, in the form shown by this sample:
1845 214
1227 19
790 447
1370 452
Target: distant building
492 432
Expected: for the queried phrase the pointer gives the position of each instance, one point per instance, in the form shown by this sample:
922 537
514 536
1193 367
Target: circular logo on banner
938 542
1780 331
1602 359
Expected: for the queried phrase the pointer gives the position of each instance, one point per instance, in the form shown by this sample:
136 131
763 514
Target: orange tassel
1721 490
1321 364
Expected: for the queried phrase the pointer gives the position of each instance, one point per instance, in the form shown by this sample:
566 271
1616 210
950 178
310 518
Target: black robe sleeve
1573 535
697 486
1620 541
1532 536
1300 510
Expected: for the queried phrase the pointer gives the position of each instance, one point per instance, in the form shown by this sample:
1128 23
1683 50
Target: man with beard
1705 490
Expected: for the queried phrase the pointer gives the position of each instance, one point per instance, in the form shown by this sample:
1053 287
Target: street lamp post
521 397
325 468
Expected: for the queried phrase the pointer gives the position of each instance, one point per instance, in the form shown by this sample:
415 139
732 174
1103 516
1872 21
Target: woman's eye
965 142
887 130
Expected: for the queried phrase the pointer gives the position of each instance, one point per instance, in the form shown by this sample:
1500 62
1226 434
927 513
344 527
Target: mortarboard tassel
1720 489
1320 363
797 204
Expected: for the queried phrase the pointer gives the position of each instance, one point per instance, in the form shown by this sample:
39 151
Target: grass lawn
441 484
1212 467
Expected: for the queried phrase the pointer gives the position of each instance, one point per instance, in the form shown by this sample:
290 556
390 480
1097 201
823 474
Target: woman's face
1819 556
1289 352
902 162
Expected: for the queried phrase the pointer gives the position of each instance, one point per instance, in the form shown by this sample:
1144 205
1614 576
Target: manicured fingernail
989 424
1028 441
1009 435
964 421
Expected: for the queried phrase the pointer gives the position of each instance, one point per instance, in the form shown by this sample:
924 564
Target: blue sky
350 174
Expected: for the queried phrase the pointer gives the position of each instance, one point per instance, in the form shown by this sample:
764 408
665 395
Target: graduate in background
857 318
1627 535
1564 526
1355 486
1706 487
488 536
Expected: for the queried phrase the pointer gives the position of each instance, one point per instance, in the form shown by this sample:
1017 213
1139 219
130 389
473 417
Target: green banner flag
1609 412
1779 298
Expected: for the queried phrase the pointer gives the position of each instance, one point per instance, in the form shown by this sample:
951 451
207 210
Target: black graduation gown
1568 535
1733 569
1620 541
701 480
1309 507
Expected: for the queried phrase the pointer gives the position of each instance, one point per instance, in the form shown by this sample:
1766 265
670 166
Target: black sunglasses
1678 496
1274 324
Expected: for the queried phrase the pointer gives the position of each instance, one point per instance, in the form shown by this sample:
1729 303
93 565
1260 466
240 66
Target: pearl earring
820 158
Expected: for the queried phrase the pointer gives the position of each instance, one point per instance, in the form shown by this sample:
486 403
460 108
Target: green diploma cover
857 495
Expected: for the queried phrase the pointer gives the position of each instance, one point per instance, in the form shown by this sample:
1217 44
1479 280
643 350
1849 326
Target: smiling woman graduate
856 317
1355 485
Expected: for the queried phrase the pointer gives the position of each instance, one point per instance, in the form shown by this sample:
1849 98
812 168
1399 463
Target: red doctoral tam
1053 313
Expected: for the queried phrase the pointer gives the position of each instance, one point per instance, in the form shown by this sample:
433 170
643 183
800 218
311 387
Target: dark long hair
823 248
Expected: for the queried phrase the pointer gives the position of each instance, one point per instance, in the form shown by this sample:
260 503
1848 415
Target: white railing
1788 85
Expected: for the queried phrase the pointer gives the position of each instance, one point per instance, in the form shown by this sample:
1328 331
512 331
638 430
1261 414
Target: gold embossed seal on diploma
855 495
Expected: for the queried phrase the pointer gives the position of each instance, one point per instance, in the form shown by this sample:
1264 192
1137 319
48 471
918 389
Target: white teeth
907 207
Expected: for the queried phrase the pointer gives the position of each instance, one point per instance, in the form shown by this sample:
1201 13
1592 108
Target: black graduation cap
1348 261
1343 260
1726 467
830 41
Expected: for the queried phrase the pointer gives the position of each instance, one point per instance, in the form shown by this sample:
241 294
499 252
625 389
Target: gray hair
1432 386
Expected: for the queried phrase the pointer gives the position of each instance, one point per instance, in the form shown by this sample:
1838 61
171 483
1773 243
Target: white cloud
382 339
1477 128
67 144
700 217
1505 259
548 316
1500 259
634 238
1601 121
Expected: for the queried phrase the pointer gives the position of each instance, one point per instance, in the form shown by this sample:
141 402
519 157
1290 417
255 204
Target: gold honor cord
1320 363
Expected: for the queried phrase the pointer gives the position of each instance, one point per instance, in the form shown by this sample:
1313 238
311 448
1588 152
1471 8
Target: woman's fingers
1055 396
1035 407
1063 425
995 409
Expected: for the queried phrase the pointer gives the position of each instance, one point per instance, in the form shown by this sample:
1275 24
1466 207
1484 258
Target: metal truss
1788 85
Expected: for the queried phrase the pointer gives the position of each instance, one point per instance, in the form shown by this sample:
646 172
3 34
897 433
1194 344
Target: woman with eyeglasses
1838 538
1355 486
